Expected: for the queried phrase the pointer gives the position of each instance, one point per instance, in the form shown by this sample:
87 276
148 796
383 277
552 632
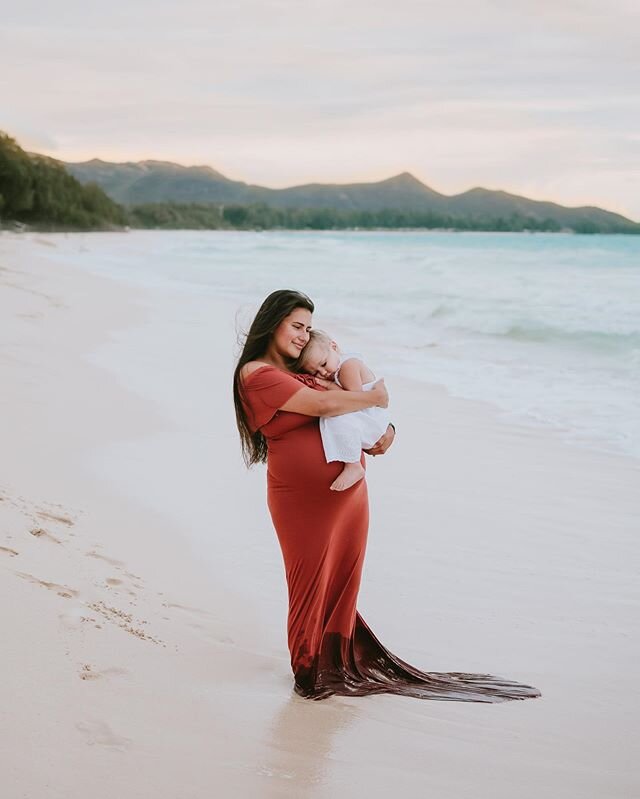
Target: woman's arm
328 384
309 402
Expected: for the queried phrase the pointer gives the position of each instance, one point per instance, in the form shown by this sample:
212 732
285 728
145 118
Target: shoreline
492 547
19 228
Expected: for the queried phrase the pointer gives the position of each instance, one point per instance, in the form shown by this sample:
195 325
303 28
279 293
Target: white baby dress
344 437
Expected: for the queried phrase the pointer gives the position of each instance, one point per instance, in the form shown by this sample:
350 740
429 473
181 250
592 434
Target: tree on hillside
38 190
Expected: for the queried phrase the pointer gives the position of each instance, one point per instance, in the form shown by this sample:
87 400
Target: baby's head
320 357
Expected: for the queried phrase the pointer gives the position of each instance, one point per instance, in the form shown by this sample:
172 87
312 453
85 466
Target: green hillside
171 193
39 192
43 193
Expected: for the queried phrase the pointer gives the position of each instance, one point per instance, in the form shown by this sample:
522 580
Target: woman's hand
379 391
381 446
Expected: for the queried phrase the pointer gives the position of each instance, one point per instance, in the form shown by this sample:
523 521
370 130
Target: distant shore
50 195
19 227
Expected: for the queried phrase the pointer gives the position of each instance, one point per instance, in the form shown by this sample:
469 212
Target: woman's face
291 335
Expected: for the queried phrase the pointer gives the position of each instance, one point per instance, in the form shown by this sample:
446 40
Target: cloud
519 95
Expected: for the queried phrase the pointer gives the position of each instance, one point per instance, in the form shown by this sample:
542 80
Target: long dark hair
273 310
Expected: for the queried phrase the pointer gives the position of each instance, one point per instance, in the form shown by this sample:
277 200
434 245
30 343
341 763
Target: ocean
545 327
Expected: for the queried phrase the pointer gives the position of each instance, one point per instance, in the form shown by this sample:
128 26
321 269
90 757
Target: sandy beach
142 591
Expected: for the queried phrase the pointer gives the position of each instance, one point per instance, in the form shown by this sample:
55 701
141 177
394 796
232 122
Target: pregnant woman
323 533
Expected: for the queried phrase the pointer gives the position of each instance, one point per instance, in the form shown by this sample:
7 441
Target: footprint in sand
100 733
89 672
75 617
54 517
40 532
124 620
118 564
114 582
61 590
187 609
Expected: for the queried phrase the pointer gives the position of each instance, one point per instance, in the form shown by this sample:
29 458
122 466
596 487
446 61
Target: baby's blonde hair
316 337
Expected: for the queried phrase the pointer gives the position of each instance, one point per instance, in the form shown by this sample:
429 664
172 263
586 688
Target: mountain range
144 182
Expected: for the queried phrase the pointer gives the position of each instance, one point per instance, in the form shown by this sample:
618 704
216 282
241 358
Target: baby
344 437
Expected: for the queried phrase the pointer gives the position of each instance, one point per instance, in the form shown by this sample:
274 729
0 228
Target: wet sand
143 597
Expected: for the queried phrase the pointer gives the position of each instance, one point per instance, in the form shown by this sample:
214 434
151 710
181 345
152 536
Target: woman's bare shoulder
253 366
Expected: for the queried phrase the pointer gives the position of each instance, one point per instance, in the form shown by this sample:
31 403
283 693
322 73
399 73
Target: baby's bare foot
348 477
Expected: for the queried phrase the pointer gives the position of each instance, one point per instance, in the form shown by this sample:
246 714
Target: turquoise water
546 327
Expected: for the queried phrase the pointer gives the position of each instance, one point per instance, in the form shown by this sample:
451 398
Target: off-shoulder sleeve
265 391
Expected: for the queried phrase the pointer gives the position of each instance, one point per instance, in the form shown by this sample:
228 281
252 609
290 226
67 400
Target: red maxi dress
323 536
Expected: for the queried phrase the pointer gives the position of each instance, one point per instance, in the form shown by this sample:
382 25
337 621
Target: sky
535 98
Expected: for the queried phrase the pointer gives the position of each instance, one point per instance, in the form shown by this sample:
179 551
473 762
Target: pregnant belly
297 461
306 514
